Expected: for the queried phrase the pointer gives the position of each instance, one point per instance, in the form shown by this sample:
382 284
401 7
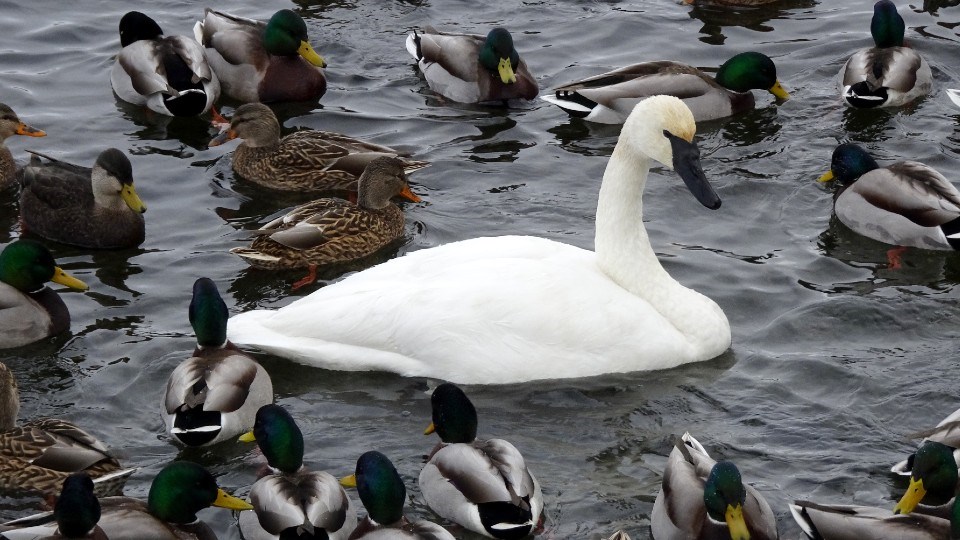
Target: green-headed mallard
933 482
703 498
177 493
524 321
168 74
11 125
293 501
262 61
946 432
383 494
302 161
483 485
609 98
888 74
905 203
468 68
214 395
29 310
333 231
40 454
92 208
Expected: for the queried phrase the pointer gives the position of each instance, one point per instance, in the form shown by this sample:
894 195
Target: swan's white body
515 308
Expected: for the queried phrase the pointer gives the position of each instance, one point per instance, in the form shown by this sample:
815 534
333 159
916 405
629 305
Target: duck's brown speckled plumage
11 125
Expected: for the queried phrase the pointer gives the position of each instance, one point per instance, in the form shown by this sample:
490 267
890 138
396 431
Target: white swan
519 308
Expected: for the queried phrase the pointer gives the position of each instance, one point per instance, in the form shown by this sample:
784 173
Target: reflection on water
715 15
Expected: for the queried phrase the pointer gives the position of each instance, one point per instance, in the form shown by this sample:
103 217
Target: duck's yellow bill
224 500
349 481
911 498
409 195
23 129
430 429
129 196
778 90
736 524
224 136
310 55
826 177
247 437
505 68
65 279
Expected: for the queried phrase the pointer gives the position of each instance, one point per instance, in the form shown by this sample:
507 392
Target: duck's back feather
883 77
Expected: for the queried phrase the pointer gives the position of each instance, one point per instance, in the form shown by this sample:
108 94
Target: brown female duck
10 125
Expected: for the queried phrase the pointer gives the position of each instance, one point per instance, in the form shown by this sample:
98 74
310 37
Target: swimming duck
75 514
294 501
335 231
214 395
11 125
468 68
262 61
609 98
29 310
905 203
933 481
889 74
382 492
177 493
501 309
482 485
731 3
168 74
703 498
945 433
40 454
92 208
305 160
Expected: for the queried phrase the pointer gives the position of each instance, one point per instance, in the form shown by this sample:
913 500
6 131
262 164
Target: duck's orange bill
29 131
224 136
409 195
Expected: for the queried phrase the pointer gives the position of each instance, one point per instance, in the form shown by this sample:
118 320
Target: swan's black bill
686 161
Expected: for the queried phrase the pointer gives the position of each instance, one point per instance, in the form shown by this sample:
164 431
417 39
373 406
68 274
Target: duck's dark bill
686 161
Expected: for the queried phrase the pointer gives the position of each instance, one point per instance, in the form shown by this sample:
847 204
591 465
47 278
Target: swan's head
662 128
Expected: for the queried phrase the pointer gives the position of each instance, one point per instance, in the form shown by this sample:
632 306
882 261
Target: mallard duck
29 310
468 68
11 125
75 515
214 395
302 161
501 309
946 433
92 208
168 74
294 501
905 203
609 98
703 498
382 492
335 231
889 74
257 61
482 485
934 480
40 454
177 493
731 3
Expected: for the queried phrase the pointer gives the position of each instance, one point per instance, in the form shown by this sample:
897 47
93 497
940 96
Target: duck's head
887 26
848 163
10 124
255 123
27 265
279 438
934 477
724 496
208 314
77 510
454 416
380 487
383 179
9 399
497 55
286 35
751 71
112 181
182 489
662 128
135 26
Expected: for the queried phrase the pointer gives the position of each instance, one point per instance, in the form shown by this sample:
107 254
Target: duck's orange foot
306 280
893 257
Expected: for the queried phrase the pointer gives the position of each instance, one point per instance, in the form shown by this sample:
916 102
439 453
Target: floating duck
946 433
11 125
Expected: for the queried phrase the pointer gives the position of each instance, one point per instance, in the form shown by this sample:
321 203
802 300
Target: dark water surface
835 356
